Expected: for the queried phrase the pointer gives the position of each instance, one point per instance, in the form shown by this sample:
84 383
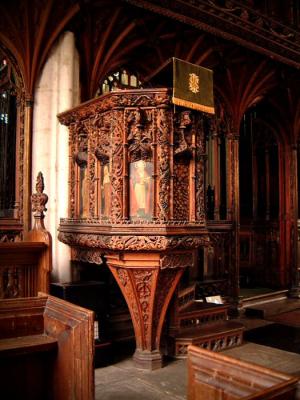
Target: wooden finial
39 199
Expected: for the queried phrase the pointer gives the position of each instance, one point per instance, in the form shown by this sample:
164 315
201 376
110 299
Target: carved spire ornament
39 200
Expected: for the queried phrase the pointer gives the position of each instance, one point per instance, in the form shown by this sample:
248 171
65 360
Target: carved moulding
163 125
154 224
117 168
180 260
121 243
110 101
90 256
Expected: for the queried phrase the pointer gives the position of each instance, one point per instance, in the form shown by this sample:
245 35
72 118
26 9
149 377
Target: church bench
213 376
46 349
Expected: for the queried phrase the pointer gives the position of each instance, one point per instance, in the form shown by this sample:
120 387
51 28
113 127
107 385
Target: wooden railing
25 265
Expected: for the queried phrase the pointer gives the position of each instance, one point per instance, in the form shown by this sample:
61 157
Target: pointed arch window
122 78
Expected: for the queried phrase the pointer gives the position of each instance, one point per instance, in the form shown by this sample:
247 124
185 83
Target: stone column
57 89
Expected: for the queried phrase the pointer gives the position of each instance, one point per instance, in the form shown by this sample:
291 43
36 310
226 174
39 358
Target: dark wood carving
226 31
117 168
148 290
163 165
25 266
146 246
139 134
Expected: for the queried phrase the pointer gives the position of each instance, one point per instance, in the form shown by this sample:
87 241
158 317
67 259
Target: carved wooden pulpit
136 193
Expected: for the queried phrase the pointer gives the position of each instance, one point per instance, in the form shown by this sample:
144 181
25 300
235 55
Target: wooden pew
25 265
213 376
46 349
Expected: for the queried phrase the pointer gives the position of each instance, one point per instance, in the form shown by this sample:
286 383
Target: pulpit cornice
118 99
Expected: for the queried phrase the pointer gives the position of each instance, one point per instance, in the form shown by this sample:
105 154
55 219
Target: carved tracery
140 134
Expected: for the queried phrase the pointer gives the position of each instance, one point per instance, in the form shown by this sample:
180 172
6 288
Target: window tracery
123 78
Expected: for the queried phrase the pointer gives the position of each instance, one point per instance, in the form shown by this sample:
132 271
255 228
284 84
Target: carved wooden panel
25 265
181 191
130 142
144 176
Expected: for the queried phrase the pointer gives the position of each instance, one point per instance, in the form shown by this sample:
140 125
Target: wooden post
295 270
40 234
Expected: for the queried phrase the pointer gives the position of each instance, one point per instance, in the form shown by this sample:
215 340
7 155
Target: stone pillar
57 90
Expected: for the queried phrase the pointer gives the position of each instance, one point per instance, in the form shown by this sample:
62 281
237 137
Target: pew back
46 349
213 376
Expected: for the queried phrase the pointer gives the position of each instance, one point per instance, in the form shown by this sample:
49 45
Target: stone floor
123 381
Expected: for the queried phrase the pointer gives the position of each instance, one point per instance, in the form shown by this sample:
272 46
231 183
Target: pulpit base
149 360
148 286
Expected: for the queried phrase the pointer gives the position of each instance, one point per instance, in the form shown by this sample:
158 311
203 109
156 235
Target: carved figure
106 191
140 189
140 135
